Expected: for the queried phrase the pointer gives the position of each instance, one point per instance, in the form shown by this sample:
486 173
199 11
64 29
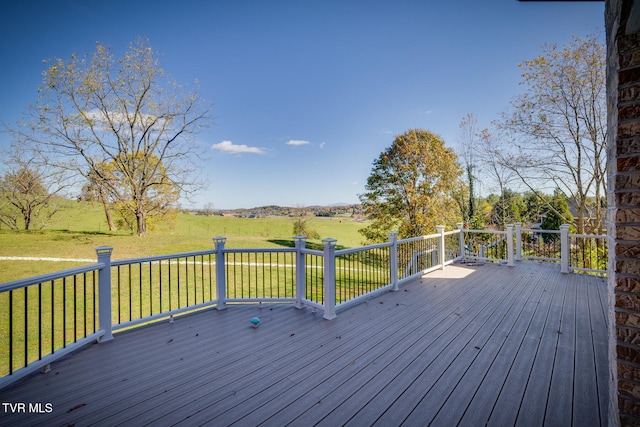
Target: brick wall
623 215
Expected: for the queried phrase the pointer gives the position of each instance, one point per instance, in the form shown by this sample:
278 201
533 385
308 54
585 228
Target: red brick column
623 215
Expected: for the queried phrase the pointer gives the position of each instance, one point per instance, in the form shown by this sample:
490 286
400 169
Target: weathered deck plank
467 346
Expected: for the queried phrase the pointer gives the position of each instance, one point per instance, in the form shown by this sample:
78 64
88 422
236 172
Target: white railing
574 252
587 253
488 245
45 317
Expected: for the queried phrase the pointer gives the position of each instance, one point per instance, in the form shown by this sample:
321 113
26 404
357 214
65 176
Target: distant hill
338 209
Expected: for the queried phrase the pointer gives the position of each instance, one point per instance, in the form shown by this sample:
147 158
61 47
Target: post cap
104 250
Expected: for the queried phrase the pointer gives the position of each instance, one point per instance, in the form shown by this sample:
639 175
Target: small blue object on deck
255 322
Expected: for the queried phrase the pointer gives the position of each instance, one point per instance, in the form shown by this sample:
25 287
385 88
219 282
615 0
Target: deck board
597 304
463 346
561 391
429 391
423 368
585 374
543 329
389 361
515 323
487 394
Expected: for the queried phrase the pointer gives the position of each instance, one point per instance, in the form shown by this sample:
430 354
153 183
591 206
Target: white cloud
322 144
231 148
297 142
105 120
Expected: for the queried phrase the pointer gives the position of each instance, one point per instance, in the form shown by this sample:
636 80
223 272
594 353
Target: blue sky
305 94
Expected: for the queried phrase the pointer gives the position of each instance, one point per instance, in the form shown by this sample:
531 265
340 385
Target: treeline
533 210
285 211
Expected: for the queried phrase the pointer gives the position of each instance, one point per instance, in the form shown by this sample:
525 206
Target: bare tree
124 113
490 156
468 146
208 208
28 191
559 126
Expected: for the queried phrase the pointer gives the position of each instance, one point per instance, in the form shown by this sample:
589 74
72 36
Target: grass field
58 313
81 227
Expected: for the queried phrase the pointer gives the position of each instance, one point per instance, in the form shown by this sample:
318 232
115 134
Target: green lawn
81 228
54 313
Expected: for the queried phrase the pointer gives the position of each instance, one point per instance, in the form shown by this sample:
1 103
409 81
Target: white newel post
461 239
329 278
393 262
300 270
518 241
104 291
441 248
510 261
564 248
221 285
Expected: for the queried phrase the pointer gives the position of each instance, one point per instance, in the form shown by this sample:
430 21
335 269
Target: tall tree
469 146
160 195
559 126
411 187
126 113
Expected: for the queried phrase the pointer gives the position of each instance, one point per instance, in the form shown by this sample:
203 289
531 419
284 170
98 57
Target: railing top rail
415 239
363 248
534 230
21 283
116 263
312 252
196 253
257 250
469 230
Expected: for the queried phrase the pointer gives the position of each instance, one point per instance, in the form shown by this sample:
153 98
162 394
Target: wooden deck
496 345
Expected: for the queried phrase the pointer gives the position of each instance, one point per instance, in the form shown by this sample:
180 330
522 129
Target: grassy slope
81 227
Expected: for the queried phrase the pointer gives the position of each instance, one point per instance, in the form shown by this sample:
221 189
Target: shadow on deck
468 345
